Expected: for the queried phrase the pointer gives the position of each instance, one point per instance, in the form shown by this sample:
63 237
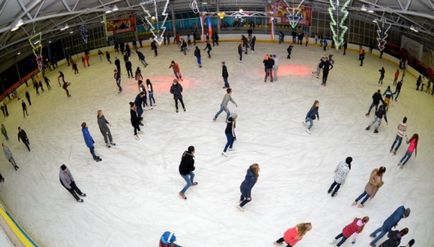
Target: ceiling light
115 8
370 11
374 21
71 32
412 28
204 3
49 42
363 8
64 27
241 10
17 25
18 53
108 11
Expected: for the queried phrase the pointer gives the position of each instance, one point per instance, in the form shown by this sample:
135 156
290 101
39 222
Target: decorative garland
158 30
383 27
36 44
338 14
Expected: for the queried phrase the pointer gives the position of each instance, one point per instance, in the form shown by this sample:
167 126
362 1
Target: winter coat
388 93
140 55
240 50
176 90
22 135
197 53
134 118
376 98
291 236
248 183
374 184
313 113
66 178
341 172
87 137
4 132
8 153
268 63
187 163
393 241
355 227
225 73
102 123
175 67
381 112
394 218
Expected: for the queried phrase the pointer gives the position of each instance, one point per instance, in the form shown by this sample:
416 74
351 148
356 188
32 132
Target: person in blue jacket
389 223
247 185
89 141
168 239
312 115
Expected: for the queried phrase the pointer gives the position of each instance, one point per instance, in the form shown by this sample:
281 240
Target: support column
173 19
218 17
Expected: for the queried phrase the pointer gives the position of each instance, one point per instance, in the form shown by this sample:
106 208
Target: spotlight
17 25
363 8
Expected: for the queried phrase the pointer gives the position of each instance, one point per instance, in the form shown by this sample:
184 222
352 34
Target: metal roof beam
26 12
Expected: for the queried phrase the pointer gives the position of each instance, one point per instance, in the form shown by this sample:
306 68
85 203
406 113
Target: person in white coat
9 156
275 66
68 182
341 173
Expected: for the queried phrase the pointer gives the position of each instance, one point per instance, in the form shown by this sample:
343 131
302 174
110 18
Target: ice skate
308 131
276 244
333 242
108 145
98 159
354 204
240 208
231 149
194 183
367 128
360 206
83 195
224 154
375 131
113 144
136 137
182 195
80 200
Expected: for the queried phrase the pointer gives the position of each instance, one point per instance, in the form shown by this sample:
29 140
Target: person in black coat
198 56
230 132
382 72
240 51
107 56
154 47
24 106
129 67
186 168
376 98
118 64
247 185
398 90
22 136
379 114
225 75
326 67
135 120
208 49
28 97
311 115
176 90
268 64
289 50
139 101
394 238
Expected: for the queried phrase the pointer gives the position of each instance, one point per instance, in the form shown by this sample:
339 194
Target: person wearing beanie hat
389 223
410 243
341 173
186 168
168 239
352 229
68 182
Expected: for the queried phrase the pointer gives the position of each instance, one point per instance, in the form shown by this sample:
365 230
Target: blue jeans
199 60
92 151
310 122
365 197
396 143
151 97
230 142
189 179
406 157
225 79
376 238
342 240
222 108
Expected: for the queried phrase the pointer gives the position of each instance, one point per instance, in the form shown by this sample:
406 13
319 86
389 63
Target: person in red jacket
293 235
176 70
354 228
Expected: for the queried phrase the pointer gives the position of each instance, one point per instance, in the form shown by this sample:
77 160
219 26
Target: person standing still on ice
247 185
341 173
402 128
382 72
240 51
117 77
186 168
352 229
208 49
150 92
224 104
293 235
412 147
9 156
379 114
154 47
230 133
225 75
67 181
4 132
176 70
289 50
311 115
89 141
372 187
103 125
176 90
327 66
198 56
392 221
135 120
268 65
376 98
24 106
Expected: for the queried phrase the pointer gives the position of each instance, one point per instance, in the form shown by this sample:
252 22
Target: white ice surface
133 193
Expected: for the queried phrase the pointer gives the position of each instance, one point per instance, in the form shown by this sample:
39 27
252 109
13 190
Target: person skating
176 90
65 87
129 68
117 77
240 51
374 184
134 118
176 70
75 67
150 89
186 168
361 56
139 102
103 125
311 115
198 56
208 49
89 141
68 182
397 90
22 136
5 107
341 173
141 57
275 66
168 239
47 82
379 114
24 106
36 86
108 57
382 72
293 235
289 50
9 156
225 75
326 67
376 98
319 67
387 96
253 43
412 147
392 221
118 64
268 65
224 104
281 37
27 94
247 185
352 229
394 238
154 47
396 76
4 132
3 110
345 46
184 47
402 128
230 133
61 78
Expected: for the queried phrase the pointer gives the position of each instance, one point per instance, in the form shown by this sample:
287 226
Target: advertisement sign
121 25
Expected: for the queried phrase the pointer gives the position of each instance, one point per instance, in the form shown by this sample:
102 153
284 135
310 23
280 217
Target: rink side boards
16 230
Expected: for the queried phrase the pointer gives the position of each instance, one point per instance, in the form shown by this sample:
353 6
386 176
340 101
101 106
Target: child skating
246 186
311 115
352 229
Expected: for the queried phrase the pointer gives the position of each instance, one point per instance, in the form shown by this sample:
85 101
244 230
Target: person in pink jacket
352 229
293 235
412 147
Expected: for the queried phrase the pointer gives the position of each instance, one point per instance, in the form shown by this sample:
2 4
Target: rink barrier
19 234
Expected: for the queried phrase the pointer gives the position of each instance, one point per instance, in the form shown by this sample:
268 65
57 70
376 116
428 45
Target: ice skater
396 76
392 221
410 243
402 128
352 229
311 115
268 66
65 87
139 102
4 132
27 94
89 141
47 82
150 89
138 75
387 96
240 52
154 47
107 56
376 98
168 239
361 56
293 235
225 75
326 67
75 67
275 66
397 90
135 120
374 184
141 57
9 156
24 107
317 72
129 68
394 238
247 185
176 90
176 70
382 72
208 49
224 104
103 125
117 77
289 50
118 64
230 133
198 57
67 181
186 168
341 173
22 136
61 78
412 147
418 83
379 114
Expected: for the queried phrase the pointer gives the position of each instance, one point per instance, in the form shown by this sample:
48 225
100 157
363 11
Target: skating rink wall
11 234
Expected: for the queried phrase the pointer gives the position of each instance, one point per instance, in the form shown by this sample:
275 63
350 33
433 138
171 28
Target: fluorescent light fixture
115 8
71 32
108 11
18 53
374 21
370 11
36 42
64 27
204 3
363 8
412 28
17 25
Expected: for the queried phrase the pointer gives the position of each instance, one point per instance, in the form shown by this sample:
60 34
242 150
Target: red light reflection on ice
294 70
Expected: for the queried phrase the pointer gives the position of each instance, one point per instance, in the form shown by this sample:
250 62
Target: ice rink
132 195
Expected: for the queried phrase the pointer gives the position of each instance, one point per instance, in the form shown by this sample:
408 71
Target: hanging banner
121 25
282 13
